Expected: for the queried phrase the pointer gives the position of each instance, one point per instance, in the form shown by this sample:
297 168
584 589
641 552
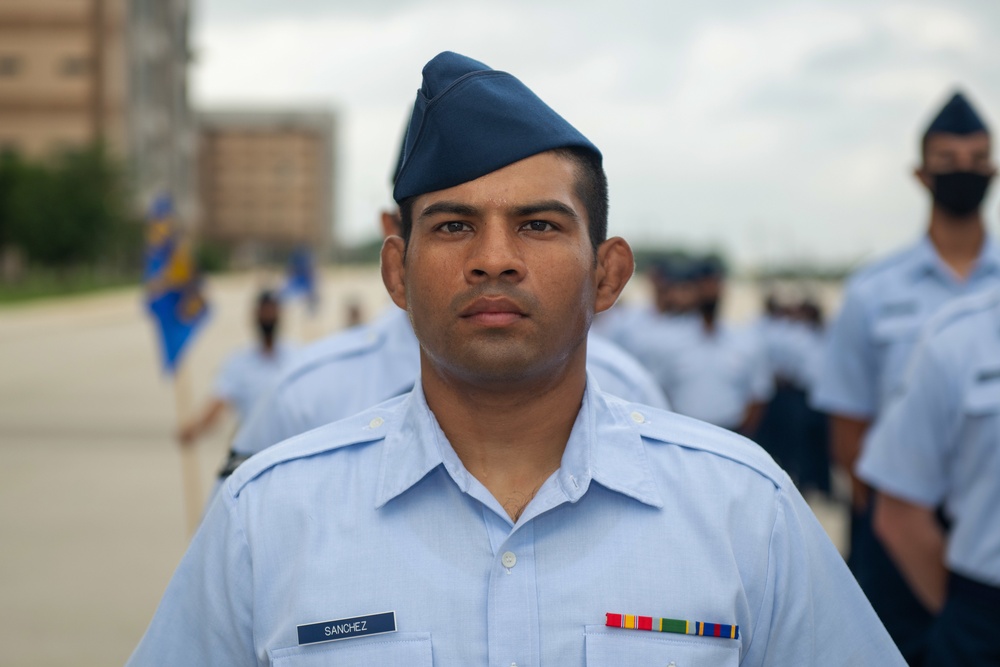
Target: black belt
973 591
232 463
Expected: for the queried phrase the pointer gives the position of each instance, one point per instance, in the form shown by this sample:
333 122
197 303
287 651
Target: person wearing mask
244 376
708 369
870 342
938 445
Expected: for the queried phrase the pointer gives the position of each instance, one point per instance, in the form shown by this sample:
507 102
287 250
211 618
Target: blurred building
266 180
73 72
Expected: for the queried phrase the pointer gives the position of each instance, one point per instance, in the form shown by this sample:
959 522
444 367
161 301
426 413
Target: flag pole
190 472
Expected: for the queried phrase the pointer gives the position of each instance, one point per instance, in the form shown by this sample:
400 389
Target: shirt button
638 418
508 559
375 423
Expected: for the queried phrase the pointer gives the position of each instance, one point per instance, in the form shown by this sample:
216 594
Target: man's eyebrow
547 206
450 208
521 211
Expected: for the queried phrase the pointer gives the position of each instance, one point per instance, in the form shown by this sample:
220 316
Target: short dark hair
591 188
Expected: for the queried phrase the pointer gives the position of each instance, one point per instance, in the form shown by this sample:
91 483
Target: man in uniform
246 373
707 369
506 511
938 444
871 341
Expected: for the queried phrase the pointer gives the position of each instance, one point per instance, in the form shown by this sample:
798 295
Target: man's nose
495 253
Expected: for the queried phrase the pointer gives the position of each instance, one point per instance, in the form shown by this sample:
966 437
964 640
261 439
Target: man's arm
846 437
206 614
914 539
203 422
751 418
905 460
813 612
847 386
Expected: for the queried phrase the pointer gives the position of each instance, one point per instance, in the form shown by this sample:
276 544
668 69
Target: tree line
69 211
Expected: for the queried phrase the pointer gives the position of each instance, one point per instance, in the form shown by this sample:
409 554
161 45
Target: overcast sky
773 130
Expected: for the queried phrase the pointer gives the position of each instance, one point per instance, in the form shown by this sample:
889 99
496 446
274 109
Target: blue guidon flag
173 286
301 278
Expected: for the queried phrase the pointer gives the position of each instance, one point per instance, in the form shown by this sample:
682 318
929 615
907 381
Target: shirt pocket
888 330
610 647
982 399
405 649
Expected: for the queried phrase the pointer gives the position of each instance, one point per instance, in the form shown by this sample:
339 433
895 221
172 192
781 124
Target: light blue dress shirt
871 340
361 367
794 349
718 376
650 513
655 339
248 373
939 440
713 377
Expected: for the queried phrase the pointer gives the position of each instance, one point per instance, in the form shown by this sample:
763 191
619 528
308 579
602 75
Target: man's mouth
496 311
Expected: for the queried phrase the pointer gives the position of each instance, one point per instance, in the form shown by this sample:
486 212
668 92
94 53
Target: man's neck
958 242
509 437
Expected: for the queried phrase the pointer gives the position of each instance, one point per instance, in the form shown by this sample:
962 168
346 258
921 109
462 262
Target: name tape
347 628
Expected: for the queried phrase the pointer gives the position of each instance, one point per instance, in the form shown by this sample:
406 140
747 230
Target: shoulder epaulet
670 428
367 426
881 267
344 344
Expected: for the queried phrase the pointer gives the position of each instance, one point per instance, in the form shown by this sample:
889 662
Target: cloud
717 119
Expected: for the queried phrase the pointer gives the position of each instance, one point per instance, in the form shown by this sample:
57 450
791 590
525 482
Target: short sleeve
813 612
906 454
848 382
205 616
227 382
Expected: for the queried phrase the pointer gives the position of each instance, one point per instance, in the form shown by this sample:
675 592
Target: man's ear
394 270
391 224
925 179
615 265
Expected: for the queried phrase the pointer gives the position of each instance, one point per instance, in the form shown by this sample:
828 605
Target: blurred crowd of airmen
753 379
909 375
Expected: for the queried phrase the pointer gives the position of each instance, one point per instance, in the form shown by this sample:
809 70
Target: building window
72 66
9 65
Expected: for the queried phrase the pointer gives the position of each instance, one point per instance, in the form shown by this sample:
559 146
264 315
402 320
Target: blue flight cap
956 117
711 267
677 270
469 120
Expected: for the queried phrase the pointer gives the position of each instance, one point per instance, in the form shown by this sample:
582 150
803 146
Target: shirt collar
604 446
925 259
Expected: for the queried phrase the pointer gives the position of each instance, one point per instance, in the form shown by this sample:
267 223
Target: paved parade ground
92 517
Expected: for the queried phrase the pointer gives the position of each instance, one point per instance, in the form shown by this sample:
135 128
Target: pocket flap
983 396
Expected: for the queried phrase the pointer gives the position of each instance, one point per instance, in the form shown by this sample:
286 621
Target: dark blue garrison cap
957 117
469 120
711 267
677 269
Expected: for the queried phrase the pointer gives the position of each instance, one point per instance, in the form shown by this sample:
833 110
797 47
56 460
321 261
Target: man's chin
501 368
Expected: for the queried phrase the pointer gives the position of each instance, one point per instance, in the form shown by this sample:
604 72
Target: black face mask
267 330
708 308
960 192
